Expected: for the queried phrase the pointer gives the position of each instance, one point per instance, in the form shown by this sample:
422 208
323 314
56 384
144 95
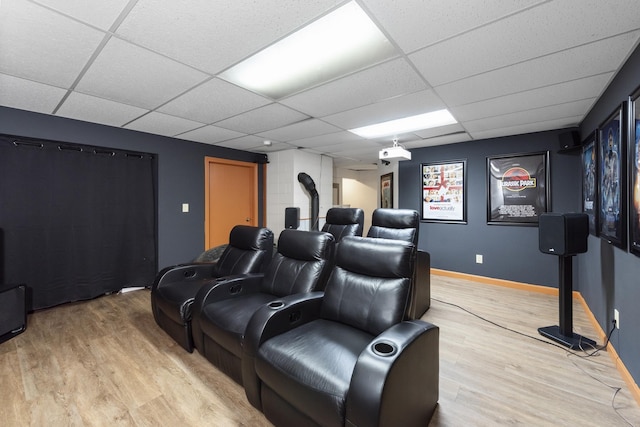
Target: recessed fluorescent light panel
407 124
341 42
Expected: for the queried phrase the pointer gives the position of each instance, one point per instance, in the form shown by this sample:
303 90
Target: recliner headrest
250 238
399 224
305 245
376 257
345 216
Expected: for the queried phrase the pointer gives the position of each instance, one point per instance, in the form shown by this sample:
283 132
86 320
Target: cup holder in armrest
275 304
384 348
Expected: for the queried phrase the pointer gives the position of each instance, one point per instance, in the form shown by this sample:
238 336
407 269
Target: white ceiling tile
213 35
337 138
561 123
544 114
567 65
262 119
588 87
163 124
438 140
91 109
99 13
41 45
201 103
304 129
543 30
441 130
395 108
375 84
417 23
28 95
132 75
210 135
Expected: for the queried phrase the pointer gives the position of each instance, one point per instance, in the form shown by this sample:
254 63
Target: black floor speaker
13 311
563 234
292 218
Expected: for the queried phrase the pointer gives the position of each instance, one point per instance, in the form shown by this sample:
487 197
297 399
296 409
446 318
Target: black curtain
76 221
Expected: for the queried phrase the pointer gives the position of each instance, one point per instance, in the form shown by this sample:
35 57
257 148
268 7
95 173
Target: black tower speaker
13 312
292 218
563 234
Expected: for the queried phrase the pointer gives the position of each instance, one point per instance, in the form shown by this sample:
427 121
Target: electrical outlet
185 207
616 317
478 259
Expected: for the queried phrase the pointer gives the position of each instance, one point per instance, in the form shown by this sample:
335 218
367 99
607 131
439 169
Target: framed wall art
590 181
611 178
386 190
634 173
444 191
517 188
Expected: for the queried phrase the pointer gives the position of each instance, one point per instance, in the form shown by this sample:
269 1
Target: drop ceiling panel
262 119
438 140
570 109
163 124
99 13
402 106
543 30
213 35
589 87
91 109
375 84
441 130
41 45
567 65
28 95
213 101
561 123
132 75
210 135
304 129
338 138
414 24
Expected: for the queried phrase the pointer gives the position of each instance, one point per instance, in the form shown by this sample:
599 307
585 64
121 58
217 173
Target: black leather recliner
249 251
345 357
404 224
223 309
342 222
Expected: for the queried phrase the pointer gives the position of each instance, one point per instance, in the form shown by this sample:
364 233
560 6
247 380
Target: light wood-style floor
105 363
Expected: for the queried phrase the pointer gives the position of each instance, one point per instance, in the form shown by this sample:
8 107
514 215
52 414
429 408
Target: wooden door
231 198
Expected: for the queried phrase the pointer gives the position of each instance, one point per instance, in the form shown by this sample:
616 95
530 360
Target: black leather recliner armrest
227 287
184 272
275 318
396 374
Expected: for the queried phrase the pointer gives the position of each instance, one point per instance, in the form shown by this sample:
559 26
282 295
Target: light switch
185 207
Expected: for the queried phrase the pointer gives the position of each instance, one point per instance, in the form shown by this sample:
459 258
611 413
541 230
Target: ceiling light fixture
406 124
338 43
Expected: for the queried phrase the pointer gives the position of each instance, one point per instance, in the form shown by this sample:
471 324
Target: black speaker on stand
564 235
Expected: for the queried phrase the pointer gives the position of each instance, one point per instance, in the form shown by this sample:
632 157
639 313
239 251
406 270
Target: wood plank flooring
106 363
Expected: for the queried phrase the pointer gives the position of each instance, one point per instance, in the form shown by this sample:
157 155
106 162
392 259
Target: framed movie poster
612 182
590 181
444 191
386 190
517 188
634 174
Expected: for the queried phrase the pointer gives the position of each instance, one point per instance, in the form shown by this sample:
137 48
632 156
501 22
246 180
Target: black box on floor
13 311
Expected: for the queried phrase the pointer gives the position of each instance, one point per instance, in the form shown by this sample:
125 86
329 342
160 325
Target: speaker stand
563 334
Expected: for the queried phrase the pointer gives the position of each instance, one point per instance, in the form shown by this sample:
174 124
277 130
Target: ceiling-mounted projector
395 152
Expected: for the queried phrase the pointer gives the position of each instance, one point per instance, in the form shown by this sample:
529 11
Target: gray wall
606 276
509 252
609 277
180 172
